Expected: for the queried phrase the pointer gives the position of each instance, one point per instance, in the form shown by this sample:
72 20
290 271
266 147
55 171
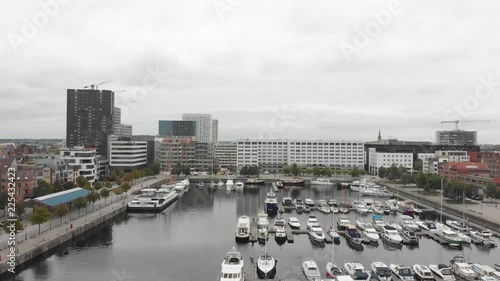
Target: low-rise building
82 159
127 155
388 159
452 170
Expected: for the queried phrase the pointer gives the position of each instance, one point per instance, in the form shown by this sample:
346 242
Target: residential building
203 126
428 160
127 155
89 118
177 128
387 159
226 153
492 159
57 167
451 170
25 183
196 155
5 164
84 160
215 131
456 137
272 155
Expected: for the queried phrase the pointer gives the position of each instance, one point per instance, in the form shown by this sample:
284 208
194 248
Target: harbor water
190 238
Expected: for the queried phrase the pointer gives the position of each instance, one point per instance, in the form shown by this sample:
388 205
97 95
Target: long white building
128 154
82 159
272 155
387 159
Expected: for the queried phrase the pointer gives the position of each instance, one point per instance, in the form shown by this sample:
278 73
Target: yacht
392 204
407 223
152 201
458 259
294 222
293 182
370 233
220 184
463 270
382 270
332 202
484 238
342 223
395 225
266 267
243 229
378 223
334 234
279 184
325 209
200 184
442 271
239 186
271 204
310 269
233 267
391 235
182 185
463 227
352 235
356 270
484 270
422 273
262 235
402 271
322 202
333 271
309 202
312 221
262 221
255 182
287 202
321 181
361 208
307 209
230 185
449 236
409 237
280 235
279 222
316 234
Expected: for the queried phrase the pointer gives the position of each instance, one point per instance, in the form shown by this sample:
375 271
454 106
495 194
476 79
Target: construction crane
464 121
94 86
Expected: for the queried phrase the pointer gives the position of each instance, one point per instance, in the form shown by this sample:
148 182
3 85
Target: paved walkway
29 238
487 211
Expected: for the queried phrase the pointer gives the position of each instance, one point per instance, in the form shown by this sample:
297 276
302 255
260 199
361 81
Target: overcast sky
269 69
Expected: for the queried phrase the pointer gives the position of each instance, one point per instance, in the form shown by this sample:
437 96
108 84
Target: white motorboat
156 201
333 271
262 221
279 222
213 184
484 270
312 221
230 185
422 273
422 226
200 184
243 229
342 223
271 203
325 209
352 235
463 270
294 222
332 202
361 208
309 202
322 202
220 183
459 226
409 237
378 223
431 226
464 237
262 235
484 238
356 270
287 202
442 271
382 270
182 185
391 235
334 209
458 259
310 269
280 235
448 236
239 186
316 234
395 225
407 223
334 234
360 224
321 181
392 204
402 271
266 267
370 233
233 267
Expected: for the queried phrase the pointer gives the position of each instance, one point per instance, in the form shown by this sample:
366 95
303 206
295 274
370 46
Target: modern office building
89 118
456 137
84 160
272 155
215 131
387 159
117 120
177 128
226 153
127 155
196 155
203 126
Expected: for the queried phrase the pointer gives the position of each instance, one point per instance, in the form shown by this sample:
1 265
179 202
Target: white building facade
215 131
127 155
387 159
203 126
83 160
272 155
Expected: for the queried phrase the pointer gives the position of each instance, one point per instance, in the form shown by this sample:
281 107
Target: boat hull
266 275
152 209
271 209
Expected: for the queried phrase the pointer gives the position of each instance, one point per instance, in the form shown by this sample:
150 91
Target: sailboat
332 270
266 265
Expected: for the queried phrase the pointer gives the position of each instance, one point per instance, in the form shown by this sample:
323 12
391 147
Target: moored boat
152 201
484 238
233 267
402 271
255 182
463 270
293 182
342 223
294 222
310 269
271 204
422 273
321 181
352 235
382 270
243 229
391 235
442 271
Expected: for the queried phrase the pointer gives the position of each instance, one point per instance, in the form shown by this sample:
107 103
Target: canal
189 240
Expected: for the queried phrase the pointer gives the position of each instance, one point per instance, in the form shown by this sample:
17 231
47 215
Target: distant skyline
264 70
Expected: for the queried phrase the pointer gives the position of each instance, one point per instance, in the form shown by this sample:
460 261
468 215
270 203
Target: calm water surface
189 240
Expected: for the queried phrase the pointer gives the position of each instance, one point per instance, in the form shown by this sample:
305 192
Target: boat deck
251 273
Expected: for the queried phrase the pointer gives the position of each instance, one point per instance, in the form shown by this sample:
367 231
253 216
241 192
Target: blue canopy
62 197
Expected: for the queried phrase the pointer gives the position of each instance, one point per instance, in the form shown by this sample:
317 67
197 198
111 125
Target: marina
214 213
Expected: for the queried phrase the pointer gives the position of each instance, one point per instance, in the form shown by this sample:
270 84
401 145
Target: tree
186 170
92 197
97 185
418 165
125 187
18 226
355 173
58 186
40 215
382 172
137 174
69 185
307 171
316 171
61 210
254 170
42 188
83 182
286 170
148 172
20 209
128 177
405 178
105 194
295 169
108 184
155 168
244 170
427 187
80 203
118 191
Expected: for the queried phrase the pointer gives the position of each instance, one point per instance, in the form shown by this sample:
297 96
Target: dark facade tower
89 118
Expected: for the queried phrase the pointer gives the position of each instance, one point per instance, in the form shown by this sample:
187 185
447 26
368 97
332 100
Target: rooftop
62 197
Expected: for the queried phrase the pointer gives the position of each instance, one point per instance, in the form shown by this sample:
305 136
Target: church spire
379 136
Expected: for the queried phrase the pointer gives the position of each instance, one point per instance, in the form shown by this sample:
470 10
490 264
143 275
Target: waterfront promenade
29 239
